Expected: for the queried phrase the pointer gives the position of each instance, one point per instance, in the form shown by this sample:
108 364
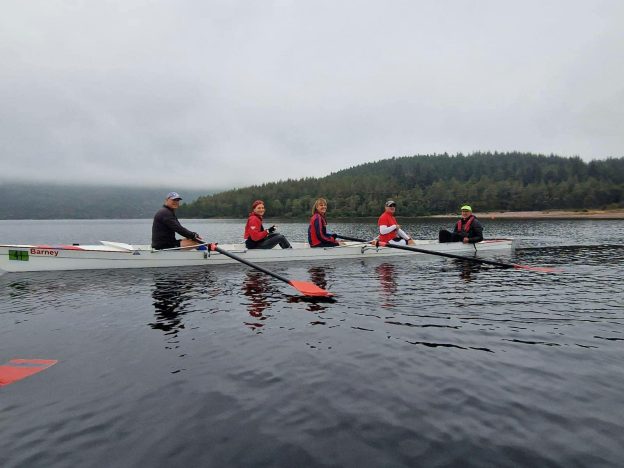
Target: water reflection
318 275
32 292
16 289
386 273
178 293
170 295
258 288
467 269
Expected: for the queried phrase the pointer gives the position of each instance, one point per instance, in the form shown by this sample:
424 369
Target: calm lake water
416 363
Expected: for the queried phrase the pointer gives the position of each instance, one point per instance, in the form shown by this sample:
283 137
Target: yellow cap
466 207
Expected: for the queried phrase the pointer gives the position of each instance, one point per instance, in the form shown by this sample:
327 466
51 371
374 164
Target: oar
304 287
460 257
185 248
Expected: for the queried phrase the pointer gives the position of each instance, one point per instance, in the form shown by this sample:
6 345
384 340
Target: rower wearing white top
389 230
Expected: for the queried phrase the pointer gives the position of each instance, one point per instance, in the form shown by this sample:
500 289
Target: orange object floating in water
18 369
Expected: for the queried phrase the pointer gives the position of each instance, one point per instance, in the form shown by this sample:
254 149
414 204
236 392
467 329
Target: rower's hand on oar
197 237
272 229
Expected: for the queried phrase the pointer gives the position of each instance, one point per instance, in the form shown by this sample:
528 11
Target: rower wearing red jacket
256 237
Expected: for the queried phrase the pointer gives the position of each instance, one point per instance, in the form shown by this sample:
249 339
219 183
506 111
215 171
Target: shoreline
548 214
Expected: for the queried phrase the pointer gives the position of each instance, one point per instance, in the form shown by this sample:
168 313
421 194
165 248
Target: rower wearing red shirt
256 237
389 230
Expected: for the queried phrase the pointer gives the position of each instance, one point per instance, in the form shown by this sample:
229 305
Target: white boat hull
113 255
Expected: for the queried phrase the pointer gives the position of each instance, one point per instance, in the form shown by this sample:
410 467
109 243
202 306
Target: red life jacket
466 227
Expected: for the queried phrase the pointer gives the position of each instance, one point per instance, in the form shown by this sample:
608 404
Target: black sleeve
476 231
173 223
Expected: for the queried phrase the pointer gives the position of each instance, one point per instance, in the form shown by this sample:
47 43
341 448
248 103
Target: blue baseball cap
174 196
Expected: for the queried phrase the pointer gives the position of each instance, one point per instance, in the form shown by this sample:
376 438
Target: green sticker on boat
21 255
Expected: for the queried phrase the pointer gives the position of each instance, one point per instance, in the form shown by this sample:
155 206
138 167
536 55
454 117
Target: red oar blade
541 269
18 369
309 289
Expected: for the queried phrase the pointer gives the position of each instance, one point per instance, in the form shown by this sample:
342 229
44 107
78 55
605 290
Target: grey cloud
219 94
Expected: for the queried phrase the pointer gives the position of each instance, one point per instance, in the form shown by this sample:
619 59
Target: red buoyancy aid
466 227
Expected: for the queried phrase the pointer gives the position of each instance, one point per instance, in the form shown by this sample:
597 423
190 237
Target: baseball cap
466 207
174 196
390 203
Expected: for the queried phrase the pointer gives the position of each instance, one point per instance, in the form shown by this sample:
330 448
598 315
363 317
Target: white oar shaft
186 247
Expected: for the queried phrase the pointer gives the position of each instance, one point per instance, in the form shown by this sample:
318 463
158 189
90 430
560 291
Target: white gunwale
115 255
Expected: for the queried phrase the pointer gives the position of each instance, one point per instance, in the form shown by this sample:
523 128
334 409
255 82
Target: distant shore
549 214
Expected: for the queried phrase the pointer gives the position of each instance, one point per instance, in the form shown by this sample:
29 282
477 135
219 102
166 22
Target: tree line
422 185
435 184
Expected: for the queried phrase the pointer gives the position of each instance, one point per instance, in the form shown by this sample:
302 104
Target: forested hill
435 184
49 201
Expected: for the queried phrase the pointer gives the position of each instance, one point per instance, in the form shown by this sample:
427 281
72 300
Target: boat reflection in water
387 273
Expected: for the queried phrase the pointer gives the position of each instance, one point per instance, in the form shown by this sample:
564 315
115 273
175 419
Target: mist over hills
51 201
422 185
435 184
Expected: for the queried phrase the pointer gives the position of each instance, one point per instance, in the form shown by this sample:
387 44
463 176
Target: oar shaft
188 247
252 265
306 288
441 254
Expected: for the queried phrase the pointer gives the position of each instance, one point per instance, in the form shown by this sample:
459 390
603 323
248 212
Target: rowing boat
114 255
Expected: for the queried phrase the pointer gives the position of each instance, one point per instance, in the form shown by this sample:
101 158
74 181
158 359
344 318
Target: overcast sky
217 94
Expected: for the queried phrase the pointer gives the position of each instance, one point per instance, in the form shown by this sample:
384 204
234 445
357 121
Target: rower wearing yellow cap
468 229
